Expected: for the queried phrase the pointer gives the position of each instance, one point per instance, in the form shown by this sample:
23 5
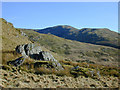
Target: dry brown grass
104 70
72 63
43 70
9 56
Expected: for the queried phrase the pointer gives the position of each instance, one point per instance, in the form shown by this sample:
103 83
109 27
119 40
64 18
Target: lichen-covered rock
32 49
48 57
28 49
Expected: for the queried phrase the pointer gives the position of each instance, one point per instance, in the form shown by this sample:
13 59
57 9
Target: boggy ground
22 79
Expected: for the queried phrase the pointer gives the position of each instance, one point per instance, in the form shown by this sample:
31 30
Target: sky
39 15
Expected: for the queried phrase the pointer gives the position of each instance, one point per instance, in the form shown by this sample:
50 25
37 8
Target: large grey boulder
35 52
28 49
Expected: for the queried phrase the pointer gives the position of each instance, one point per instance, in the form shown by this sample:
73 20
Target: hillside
100 36
83 65
11 37
74 50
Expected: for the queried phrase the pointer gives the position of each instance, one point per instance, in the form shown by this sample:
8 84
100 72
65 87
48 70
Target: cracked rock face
47 56
28 49
35 52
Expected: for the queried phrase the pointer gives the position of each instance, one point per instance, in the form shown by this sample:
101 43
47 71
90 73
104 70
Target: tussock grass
9 56
69 69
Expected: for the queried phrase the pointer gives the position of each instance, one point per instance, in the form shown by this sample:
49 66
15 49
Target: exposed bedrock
34 52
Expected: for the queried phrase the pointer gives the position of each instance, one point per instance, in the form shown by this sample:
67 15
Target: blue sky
38 15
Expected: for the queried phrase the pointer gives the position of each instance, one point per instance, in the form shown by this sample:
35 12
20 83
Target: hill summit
99 36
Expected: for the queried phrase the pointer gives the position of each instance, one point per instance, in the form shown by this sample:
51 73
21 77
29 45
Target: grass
60 48
9 56
73 50
10 41
69 70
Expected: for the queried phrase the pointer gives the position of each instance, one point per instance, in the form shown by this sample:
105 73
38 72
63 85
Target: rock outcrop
17 62
28 49
35 52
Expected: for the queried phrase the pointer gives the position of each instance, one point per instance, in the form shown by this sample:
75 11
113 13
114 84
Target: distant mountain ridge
99 36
